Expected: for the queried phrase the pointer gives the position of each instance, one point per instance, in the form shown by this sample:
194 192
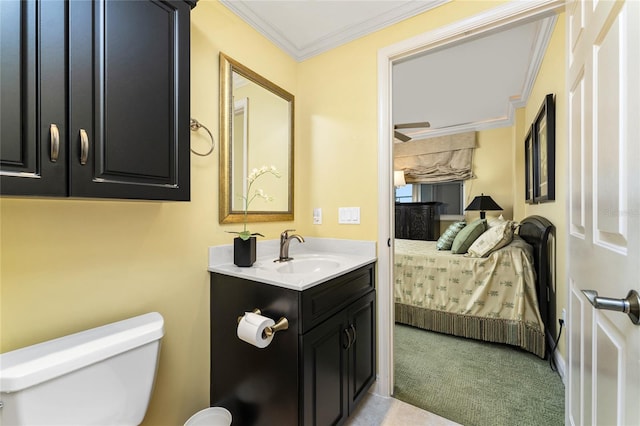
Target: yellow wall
67 265
551 79
494 174
337 103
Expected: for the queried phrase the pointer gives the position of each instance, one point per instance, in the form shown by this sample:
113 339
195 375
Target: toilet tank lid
29 366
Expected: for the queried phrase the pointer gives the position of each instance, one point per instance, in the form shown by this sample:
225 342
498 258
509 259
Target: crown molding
330 40
511 13
537 56
475 126
477 25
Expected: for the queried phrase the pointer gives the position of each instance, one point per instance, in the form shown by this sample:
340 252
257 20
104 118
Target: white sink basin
308 265
314 262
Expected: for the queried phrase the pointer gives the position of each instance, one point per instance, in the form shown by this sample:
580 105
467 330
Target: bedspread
492 298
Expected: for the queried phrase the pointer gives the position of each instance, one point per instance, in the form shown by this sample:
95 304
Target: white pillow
495 221
492 239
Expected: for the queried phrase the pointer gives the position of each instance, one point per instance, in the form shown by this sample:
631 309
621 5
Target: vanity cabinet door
338 362
324 364
33 98
362 352
129 99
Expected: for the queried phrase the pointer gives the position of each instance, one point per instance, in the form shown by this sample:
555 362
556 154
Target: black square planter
244 251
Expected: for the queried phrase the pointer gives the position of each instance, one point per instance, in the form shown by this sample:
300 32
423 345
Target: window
404 194
450 194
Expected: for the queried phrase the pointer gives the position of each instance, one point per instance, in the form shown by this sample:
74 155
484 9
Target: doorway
510 14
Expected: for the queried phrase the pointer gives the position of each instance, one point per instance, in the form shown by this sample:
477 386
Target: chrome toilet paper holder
281 325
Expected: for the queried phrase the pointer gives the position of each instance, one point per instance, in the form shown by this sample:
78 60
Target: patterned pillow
492 240
468 235
495 221
446 240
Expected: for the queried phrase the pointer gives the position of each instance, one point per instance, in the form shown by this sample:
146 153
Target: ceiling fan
404 138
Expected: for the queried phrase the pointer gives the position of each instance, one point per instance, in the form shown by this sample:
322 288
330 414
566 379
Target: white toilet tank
102 376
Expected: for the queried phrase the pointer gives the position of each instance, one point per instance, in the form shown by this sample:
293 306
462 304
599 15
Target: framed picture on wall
528 165
544 149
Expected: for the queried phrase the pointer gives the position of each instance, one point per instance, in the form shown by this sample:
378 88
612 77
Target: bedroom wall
494 174
550 79
493 171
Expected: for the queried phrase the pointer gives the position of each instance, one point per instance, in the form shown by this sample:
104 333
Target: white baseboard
561 366
377 389
557 357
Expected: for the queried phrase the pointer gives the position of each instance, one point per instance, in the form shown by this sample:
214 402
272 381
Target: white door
603 42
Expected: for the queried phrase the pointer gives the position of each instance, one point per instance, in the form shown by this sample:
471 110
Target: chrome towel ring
195 125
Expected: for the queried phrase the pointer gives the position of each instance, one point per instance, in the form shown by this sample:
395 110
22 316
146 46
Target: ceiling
472 85
305 28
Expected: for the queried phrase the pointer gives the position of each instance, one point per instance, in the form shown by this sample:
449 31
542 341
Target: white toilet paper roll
251 329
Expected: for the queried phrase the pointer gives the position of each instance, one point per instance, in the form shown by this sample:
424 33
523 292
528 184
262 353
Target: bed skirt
488 329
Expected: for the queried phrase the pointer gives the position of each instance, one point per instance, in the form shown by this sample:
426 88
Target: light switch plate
317 216
349 215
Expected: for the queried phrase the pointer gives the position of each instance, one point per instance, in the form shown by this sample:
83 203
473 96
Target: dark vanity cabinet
315 372
338 365
95 99
418 221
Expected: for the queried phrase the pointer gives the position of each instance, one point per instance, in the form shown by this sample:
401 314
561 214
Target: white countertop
343 256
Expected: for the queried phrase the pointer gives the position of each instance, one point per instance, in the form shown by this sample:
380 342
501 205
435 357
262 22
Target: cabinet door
418 221
33 98
362 352
324 387
129 99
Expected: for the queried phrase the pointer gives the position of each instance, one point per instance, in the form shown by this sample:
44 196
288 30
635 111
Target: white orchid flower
247 198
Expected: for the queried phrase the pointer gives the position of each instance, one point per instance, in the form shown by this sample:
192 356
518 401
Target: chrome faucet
285 239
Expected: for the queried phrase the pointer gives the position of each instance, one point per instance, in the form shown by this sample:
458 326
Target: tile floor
380 411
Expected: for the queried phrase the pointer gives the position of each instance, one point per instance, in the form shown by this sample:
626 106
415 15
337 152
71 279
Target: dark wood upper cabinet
129 93
33 98
119 89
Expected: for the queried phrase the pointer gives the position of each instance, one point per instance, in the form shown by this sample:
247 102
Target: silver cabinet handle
84 147
349 342
55 142
630 305
355 335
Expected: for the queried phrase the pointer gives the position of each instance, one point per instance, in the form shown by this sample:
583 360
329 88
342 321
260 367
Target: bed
505 297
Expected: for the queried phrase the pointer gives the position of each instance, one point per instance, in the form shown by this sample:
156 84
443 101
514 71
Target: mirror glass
256 131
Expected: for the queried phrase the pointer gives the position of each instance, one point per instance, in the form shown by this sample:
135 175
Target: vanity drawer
320 302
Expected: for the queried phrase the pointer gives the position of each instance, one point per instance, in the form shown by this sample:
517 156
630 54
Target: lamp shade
483 203
398 178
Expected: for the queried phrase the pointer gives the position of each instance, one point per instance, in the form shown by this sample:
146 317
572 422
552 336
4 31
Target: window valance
439 159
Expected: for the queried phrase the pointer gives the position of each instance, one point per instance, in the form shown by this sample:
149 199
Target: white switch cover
317 216
349 215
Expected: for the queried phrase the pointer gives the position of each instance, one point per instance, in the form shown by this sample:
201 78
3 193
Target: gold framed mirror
256 131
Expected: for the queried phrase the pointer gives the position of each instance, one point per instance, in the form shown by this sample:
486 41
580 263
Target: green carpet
475 383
